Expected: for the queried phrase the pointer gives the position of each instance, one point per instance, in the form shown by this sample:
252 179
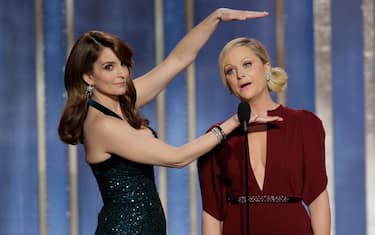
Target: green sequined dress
131 201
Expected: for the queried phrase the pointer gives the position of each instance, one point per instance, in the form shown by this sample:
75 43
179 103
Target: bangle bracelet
222 132
219 133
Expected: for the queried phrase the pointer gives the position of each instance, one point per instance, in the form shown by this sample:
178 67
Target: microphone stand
246 155
244 113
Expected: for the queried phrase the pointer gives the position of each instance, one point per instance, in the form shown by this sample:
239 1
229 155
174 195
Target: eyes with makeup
231 70
110 66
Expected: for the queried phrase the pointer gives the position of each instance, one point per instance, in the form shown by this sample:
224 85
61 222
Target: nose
123 71
240 74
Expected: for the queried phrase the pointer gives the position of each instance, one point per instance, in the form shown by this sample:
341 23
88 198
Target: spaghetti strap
102 108
109 112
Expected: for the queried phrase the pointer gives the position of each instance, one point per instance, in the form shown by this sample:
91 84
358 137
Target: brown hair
82 57
279 77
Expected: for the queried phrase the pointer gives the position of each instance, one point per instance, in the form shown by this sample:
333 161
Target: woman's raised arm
149 85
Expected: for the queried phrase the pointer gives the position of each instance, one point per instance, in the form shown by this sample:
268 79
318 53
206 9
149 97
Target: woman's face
245 73
109 75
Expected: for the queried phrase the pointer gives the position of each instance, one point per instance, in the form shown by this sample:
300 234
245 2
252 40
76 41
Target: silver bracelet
219 133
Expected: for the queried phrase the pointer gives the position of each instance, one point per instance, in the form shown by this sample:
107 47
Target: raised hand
149 85
226 14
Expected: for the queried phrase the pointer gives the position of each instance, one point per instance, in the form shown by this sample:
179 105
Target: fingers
265 119
253 118
229 14
257 13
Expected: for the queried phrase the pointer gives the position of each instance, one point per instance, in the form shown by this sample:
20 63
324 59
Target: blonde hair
278 79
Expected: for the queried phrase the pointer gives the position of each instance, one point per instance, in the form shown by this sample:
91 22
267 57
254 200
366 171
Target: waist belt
263 199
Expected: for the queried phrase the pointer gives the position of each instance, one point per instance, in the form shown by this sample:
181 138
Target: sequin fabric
131 202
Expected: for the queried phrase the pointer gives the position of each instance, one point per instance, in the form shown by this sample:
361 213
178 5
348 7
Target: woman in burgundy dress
286 179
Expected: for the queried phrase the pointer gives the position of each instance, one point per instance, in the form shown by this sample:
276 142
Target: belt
263 199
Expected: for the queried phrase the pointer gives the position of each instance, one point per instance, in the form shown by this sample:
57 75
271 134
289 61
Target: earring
268 76
89 90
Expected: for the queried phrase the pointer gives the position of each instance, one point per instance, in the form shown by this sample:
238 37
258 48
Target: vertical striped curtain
326 46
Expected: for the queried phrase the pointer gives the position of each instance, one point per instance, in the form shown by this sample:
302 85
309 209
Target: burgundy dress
295 167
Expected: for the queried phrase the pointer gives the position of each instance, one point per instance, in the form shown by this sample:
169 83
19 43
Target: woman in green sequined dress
102 113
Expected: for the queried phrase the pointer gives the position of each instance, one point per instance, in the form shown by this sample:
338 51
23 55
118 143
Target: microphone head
243 112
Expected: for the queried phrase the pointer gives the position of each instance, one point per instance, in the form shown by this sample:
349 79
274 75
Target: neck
260 106
110 102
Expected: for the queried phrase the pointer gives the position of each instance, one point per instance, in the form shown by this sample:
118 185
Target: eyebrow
227 65
108 62
247 58
242 60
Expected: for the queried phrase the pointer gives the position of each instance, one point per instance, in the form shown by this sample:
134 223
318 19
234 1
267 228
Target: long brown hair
82 57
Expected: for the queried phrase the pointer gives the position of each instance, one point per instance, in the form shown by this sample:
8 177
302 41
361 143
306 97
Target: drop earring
89 90
268 76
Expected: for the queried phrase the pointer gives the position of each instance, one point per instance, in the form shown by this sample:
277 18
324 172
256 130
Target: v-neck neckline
260 189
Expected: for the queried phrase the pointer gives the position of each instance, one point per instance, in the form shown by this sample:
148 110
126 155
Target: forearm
149 85
188 48
201 145
152 83
210 225
320 214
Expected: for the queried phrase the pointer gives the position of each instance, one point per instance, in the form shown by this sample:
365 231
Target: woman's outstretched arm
149 85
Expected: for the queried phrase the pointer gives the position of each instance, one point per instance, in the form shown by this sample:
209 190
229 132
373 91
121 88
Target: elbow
176 159
181 165
177 164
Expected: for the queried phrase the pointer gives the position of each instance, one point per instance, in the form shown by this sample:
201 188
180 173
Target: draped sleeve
211 185
314 167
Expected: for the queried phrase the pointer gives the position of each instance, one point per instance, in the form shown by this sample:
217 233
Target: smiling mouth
245 84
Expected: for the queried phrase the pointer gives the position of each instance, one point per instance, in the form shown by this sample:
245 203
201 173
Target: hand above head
226 14
149 85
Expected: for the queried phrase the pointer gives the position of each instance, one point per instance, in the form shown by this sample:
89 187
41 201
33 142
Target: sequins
131 202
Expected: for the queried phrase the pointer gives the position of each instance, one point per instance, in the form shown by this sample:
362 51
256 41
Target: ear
88 79
267 67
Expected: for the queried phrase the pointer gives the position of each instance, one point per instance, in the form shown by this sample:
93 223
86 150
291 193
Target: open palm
227 14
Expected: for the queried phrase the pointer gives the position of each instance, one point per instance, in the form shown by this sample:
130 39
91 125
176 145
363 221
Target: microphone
243 113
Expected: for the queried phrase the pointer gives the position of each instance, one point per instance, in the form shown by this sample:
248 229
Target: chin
121 92
245 97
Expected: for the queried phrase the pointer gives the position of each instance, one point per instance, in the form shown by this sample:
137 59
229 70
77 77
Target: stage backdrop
326 46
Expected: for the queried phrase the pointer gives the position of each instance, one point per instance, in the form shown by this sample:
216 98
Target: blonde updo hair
278 79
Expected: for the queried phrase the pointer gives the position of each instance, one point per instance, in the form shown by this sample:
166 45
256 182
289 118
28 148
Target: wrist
219 133
218 15
229 125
